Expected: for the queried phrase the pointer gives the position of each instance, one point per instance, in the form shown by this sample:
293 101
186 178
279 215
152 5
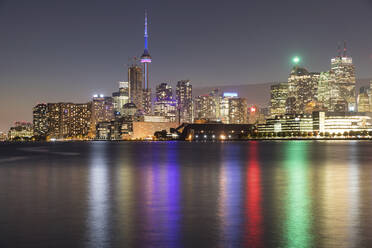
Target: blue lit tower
146 60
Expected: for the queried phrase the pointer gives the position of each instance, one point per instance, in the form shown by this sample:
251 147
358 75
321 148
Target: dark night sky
68 50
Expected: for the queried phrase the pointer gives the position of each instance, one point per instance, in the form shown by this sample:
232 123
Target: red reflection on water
253 224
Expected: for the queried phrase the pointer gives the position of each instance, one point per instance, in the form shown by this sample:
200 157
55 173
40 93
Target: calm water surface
178 194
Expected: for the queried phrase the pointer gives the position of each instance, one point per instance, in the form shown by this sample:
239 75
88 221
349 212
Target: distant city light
296 60
230 94
101 95
95 95
253 109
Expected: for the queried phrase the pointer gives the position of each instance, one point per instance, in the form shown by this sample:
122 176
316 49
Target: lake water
180 194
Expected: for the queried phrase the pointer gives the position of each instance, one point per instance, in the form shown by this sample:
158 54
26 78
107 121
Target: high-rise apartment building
40 120
184 101
238 111
69 120
224 106
278 98
208 106
102 110
165 105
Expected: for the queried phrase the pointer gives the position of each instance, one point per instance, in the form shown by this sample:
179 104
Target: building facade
21 131
121 97
278 98
165 105
69 120
40 120
303 88
238 111
135 85
184 101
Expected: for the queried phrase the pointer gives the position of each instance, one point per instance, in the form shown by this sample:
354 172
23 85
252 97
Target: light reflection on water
179 194
98 197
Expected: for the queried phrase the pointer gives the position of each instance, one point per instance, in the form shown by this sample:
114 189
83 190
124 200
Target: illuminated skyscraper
121 97
344 81
40 120
102 110
184 100
238 111
363 100
303 86
208 106
146 60
165 105
326 90
224 106
278 98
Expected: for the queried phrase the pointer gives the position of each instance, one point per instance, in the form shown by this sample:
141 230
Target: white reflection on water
353 196
98 200
230 198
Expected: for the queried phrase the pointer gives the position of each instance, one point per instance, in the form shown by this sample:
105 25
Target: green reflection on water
297 223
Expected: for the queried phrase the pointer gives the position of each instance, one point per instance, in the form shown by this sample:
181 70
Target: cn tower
146 60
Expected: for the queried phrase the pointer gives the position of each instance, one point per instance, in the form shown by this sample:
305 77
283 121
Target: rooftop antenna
345 48
339 49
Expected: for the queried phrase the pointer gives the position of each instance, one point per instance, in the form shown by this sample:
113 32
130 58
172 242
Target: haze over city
70 50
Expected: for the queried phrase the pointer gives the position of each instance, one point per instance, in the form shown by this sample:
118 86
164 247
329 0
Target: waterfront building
278 98
21 131
102 110
341 122
288 123
123 128
165 105
335 123
215 131
224 106
238 111
184 101
40 120
146 60
69 120
121 97
135 85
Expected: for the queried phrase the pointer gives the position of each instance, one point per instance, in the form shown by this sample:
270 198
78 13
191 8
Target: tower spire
146 60
339 49
145 33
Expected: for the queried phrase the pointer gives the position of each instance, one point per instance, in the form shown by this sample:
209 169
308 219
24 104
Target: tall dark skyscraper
135 85
146 60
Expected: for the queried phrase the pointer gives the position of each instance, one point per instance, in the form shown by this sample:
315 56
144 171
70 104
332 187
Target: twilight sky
68 50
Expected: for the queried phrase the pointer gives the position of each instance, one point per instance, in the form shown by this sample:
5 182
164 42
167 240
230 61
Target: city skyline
81 92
